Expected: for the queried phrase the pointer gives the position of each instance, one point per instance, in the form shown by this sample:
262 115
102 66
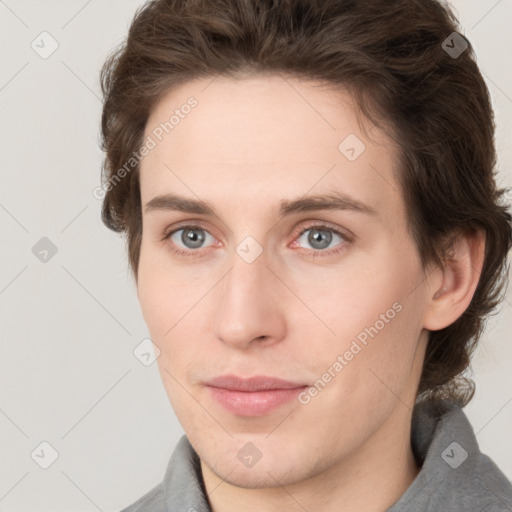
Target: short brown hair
393 55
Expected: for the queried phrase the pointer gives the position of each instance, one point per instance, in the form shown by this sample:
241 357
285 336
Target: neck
372 479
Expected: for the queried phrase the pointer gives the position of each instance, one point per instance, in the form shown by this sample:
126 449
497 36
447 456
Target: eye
320 237
192 237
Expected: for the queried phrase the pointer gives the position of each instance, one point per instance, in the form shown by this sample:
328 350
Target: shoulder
467 478
181 488
478 486
455 475
485 484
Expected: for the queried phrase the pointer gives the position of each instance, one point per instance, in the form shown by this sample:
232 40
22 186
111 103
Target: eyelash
314 252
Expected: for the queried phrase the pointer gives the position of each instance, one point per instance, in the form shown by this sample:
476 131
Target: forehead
265 137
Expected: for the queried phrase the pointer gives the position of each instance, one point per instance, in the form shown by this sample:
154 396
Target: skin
249 144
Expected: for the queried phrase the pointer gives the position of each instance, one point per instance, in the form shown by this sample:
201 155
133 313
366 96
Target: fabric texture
454 477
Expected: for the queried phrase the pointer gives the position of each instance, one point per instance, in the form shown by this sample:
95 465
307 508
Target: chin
260 476
253 479
270 467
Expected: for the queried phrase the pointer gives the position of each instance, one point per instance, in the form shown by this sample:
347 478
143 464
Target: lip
253 396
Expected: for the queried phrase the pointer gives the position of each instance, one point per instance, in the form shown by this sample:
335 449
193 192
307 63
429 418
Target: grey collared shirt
454 477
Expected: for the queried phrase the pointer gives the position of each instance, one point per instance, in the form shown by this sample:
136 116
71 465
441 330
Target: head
242 111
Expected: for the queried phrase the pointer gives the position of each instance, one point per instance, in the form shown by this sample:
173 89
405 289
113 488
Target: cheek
153 303
376 319
167 308
162 296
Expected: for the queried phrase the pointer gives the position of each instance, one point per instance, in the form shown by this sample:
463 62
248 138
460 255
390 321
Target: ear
452 287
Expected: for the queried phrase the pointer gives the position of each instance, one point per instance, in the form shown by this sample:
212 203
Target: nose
251 306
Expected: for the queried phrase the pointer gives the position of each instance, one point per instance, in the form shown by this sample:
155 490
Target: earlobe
459 279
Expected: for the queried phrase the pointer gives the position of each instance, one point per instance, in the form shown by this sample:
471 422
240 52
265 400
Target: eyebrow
333 201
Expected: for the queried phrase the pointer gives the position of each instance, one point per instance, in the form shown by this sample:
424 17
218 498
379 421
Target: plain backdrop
69 324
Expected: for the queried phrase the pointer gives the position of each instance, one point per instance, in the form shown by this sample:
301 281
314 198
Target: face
265 281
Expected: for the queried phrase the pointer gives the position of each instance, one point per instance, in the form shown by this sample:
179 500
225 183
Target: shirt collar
443 443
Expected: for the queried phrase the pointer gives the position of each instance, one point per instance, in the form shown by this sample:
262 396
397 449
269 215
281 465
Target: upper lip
256 383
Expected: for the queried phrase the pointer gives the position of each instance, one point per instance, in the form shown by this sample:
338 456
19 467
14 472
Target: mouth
254 396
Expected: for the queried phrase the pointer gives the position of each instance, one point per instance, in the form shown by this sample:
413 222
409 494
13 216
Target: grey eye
320 238
191 237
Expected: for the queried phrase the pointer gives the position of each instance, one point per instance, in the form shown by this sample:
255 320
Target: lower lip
253 403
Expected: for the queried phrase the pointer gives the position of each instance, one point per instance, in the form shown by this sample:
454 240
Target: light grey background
69 326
